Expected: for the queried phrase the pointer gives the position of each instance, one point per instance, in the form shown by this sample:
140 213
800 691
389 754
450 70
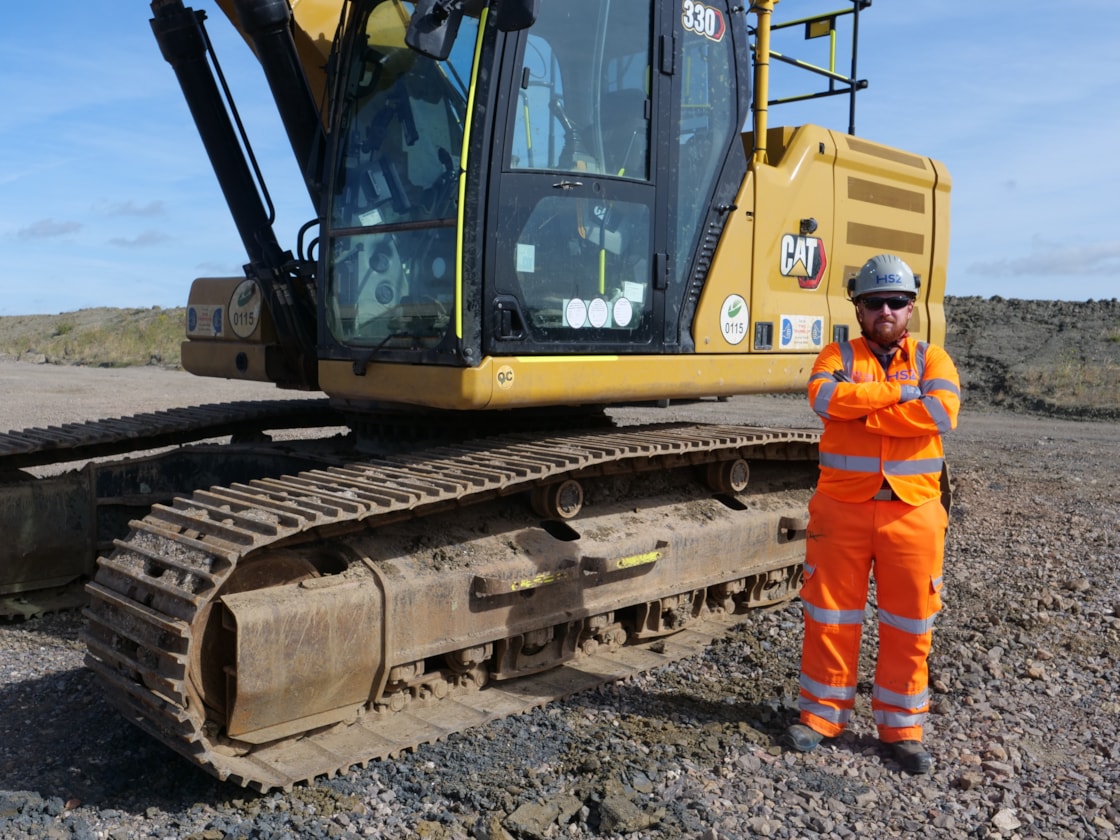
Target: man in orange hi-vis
885 400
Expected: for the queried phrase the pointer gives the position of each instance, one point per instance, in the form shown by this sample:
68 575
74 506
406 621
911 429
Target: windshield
391 226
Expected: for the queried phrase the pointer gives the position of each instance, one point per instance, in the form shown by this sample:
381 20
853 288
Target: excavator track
198 581
55 525
170 427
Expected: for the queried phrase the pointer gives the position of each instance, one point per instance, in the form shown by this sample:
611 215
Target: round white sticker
245 308
575 312
597 312
623 312
734 319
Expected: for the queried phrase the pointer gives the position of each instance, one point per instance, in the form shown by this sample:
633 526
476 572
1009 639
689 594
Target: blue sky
106 197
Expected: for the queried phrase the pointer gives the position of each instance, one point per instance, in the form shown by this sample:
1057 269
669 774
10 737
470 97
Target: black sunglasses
874 304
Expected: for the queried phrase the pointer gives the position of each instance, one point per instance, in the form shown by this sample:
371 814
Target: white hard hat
883 273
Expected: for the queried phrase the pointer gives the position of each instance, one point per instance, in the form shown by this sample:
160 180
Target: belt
886 494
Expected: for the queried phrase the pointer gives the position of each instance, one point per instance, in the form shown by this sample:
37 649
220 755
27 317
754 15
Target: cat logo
803 257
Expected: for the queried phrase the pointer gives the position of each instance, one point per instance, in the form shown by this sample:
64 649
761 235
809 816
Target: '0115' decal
703 20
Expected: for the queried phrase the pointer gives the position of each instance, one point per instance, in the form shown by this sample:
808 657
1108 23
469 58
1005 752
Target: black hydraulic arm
289 292
268 24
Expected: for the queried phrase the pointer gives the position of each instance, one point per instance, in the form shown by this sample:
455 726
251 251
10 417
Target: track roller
728 476
561 500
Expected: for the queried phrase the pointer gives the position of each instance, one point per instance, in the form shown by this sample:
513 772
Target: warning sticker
204 321
575 313
598 313
623 311
801 332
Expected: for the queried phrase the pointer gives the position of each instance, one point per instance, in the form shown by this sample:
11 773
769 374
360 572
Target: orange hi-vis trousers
904 547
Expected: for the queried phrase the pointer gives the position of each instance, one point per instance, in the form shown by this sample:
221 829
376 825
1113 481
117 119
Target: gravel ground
1024 669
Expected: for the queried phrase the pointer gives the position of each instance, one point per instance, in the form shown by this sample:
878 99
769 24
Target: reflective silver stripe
937 582
940 385
852 463
837 716
902 701
830 692
847 356
899 720
915 626
938 414
822 375
920 357
919 466
810 569
823 616
824 397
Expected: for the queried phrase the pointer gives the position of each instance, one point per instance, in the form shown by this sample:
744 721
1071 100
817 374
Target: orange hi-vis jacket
870 434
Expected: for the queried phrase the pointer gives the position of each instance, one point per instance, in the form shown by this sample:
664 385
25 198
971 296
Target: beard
885 332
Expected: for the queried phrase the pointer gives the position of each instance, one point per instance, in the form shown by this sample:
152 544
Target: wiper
362 362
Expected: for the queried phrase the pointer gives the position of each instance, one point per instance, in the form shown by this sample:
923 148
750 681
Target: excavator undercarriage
344 595
287 627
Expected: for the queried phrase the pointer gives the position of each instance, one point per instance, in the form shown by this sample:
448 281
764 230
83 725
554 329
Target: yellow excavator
526 212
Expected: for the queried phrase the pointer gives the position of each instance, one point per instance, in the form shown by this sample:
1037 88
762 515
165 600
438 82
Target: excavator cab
524 195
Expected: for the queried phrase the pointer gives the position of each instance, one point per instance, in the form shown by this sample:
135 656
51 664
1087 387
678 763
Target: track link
149 592
171 427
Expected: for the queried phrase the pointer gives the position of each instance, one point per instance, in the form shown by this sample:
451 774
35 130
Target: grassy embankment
101 337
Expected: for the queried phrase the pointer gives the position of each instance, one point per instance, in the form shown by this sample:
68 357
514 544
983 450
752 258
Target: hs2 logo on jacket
803 257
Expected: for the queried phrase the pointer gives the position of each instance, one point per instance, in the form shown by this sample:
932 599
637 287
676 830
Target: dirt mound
1052 357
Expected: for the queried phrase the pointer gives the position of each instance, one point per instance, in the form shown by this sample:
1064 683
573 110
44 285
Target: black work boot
912 756
801 738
